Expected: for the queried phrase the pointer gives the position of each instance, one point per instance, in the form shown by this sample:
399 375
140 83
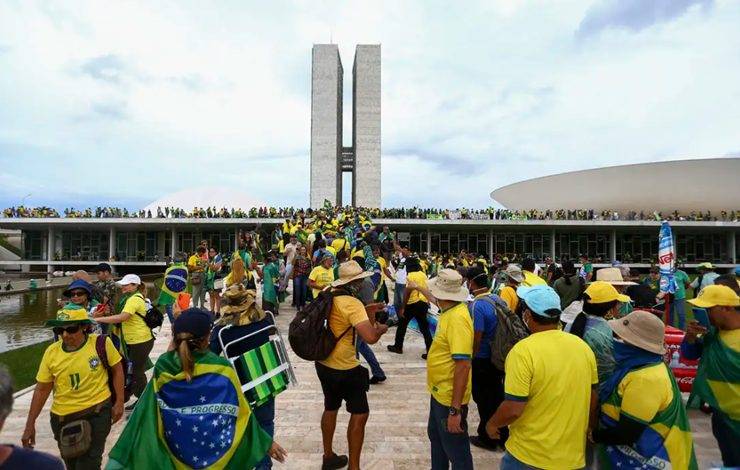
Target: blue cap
195 321
78 284
540 299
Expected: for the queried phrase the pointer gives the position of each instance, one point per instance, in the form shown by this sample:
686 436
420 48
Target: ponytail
185 344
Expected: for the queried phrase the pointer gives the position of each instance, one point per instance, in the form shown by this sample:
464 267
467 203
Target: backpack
153 317
128 370
510 329
309 333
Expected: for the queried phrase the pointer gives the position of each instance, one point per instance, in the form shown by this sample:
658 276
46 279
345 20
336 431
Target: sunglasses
70 330
77 293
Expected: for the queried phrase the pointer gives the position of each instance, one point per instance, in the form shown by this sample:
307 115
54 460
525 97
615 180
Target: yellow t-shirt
322 276
80 379
553 372
508 295
135 330
453 340
420 279
346 311
645 393
531 279
383 264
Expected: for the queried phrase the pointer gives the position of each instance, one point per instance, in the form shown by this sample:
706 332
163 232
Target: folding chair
264 371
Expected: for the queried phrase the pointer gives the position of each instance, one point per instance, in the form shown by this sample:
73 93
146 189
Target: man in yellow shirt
341 375
448 374
550 390
415 305
514 277
530 278
78 376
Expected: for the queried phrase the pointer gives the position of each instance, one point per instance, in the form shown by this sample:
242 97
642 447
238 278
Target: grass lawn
23 363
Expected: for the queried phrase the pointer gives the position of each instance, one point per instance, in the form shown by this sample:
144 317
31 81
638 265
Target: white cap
129 279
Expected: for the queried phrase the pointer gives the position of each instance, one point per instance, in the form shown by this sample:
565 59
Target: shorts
348 385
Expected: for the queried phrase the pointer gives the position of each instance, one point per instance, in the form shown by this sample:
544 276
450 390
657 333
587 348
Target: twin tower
329 157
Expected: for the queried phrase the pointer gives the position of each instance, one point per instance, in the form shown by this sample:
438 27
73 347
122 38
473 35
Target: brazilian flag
204 423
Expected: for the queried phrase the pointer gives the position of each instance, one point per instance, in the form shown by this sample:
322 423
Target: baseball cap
195 321
129 279
600 292
540 299
714 295
103 267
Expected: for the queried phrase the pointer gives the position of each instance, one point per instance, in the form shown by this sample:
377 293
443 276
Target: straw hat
448 286
350 271
613 276
641 329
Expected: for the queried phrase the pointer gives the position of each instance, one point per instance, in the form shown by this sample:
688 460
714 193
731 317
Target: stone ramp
395 436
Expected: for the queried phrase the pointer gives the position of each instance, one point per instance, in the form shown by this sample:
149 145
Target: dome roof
684 185
207 196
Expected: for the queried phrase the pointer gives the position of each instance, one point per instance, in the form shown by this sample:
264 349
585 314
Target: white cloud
143 98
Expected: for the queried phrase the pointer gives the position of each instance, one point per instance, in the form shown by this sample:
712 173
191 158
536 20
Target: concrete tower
329 158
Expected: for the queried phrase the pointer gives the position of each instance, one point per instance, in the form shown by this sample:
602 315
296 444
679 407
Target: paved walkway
396 431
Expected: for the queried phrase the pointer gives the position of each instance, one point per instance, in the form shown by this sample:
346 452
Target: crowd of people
490 213
564 362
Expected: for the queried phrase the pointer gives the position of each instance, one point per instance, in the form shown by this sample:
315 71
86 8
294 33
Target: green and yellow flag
204 423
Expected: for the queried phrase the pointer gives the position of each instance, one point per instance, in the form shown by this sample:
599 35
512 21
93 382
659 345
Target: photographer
377 315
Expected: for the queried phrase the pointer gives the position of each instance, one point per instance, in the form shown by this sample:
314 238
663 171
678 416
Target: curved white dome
207 196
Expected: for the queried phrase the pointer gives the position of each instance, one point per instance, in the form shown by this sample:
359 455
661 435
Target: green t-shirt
681 280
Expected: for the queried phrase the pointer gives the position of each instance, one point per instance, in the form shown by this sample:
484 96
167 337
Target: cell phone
700 315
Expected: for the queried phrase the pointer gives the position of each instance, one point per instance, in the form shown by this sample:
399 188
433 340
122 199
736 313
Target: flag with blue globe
201 423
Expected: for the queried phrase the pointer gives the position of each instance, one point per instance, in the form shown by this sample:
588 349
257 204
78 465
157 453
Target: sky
121 103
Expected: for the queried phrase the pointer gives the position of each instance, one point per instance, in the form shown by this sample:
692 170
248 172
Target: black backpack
510 329
128 371
153 317
309 333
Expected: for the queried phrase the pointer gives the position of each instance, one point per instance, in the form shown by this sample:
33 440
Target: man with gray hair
17 458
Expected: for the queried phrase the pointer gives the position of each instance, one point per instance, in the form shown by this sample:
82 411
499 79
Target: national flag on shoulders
204 423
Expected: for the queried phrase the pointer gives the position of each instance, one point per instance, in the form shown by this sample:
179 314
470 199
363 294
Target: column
490 245
429 241
236 239
731 247
50 253
552 245
173 245
613 245
111 243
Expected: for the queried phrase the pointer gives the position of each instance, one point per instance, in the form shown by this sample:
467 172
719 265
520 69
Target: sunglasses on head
77 293
69 329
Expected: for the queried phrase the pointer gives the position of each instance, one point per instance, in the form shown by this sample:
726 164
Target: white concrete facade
366 125
326 124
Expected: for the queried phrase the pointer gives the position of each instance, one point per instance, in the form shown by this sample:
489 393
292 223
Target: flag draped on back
204 423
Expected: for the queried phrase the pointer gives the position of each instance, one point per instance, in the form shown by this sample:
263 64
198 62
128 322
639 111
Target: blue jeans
678 309
265 415
509 462
447 447
398 295
300 289
364 349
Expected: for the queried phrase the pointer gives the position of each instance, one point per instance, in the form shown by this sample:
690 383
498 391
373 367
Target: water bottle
675 364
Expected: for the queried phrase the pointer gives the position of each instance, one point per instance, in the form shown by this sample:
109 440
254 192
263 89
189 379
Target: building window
34 245
571 245
85 245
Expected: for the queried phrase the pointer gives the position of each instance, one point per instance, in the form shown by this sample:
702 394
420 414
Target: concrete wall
326 124
366 125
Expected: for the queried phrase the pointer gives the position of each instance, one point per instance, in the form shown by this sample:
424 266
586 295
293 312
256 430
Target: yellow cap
68 316
714 295
601 292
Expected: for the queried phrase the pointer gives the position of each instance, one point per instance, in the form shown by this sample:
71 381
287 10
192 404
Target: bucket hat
514 272
613 276
641 329
69 316
448 286
78 284
350 271
240 306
